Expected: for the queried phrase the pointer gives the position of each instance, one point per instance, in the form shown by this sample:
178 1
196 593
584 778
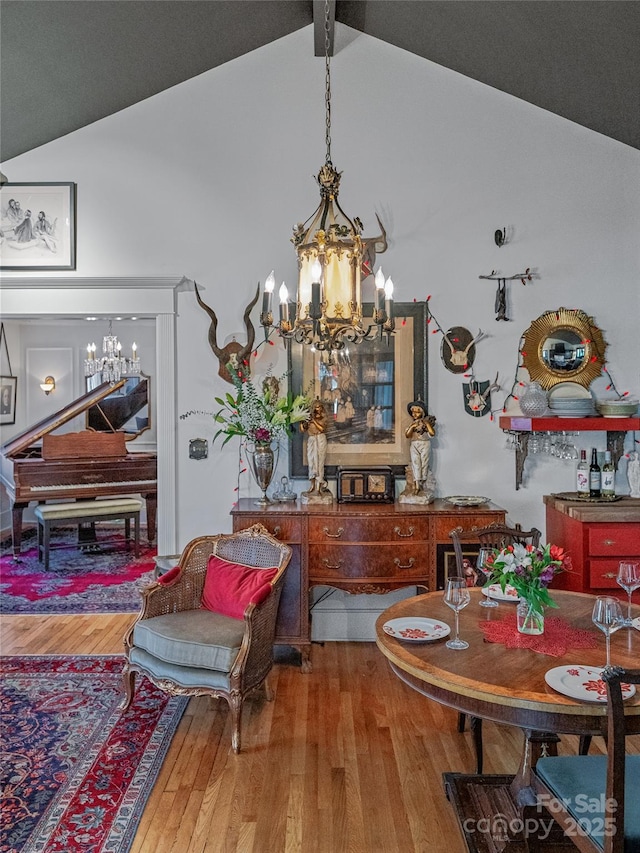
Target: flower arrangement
260 417
529 570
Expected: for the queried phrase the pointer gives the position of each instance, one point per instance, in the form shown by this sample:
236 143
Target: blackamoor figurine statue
421 485
316 430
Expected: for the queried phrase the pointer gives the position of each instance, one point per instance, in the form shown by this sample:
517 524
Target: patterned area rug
105 580
76 772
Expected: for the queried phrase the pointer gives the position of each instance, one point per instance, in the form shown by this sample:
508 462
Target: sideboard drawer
368 529
400 562
603 573
283 527
614 540
443 525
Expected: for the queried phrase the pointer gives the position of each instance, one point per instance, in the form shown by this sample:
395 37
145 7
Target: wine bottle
608 477
594 475
582 474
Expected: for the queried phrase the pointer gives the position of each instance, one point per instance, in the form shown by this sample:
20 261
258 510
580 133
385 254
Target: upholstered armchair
206 627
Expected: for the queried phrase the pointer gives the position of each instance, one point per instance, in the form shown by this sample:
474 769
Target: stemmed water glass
481 565
457 596
607 615
629 579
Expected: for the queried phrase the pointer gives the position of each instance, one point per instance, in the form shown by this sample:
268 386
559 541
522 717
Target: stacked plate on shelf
570 400
625 408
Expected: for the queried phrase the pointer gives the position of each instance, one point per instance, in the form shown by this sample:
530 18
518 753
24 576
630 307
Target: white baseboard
339 616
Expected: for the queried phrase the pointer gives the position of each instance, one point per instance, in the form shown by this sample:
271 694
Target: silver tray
467 500
579 496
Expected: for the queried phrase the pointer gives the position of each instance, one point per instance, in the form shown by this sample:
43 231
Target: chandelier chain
327 94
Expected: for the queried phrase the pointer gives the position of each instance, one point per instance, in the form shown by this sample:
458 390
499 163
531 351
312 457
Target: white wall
208 179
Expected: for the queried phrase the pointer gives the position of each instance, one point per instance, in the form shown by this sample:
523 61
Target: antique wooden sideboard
597 536
359 548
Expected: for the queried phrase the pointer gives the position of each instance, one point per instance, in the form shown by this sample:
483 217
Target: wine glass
629 579
481 565
457 596
607 615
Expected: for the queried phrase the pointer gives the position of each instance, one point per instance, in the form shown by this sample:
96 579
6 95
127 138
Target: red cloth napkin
557 638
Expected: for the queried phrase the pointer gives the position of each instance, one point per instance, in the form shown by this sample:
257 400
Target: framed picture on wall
38 226
8 385
365 389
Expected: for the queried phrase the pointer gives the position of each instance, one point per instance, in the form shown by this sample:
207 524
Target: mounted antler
233 352
371 247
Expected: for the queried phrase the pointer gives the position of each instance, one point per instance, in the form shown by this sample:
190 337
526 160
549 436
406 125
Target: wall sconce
48 385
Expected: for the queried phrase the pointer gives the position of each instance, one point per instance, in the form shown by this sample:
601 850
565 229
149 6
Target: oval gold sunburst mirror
563 345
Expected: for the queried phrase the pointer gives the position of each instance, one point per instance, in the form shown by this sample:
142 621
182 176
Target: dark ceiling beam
318 26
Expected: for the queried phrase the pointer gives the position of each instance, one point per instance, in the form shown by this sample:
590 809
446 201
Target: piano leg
152 509
16 515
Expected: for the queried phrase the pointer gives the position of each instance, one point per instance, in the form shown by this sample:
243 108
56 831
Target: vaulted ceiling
67 63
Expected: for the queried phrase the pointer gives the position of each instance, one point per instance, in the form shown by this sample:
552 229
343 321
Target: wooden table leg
536 745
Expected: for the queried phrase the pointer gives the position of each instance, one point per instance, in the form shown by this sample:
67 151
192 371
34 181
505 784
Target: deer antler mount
458 348
238 354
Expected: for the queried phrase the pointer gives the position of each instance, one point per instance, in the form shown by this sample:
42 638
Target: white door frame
25 298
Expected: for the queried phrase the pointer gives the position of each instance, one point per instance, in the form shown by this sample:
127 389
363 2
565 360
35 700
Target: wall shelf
614 427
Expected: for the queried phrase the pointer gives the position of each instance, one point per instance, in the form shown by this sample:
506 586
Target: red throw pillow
169 576
230 587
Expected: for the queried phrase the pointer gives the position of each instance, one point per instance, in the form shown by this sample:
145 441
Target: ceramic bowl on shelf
624 408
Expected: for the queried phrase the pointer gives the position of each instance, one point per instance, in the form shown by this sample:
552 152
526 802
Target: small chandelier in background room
327 312
112 365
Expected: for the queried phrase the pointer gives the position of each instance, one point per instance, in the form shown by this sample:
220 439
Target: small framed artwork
8 385
365 389
38 226
446 564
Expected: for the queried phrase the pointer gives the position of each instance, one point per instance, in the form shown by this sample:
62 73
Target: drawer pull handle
325 562
608 542
335 535
610 575
277 530
398 532
408 566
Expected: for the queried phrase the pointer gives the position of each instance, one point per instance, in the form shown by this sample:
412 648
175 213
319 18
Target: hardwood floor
347 758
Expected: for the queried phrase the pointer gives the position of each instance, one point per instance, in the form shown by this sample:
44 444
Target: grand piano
39 466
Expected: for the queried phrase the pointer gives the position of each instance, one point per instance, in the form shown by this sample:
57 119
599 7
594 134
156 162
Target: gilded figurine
316 430
420 432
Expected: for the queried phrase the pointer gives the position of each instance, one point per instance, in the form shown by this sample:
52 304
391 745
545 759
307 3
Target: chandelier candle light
112 364
327 312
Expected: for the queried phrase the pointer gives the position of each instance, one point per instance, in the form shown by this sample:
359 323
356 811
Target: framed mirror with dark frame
365 388
127 409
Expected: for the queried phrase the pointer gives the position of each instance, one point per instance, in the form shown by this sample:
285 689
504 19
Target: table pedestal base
492 821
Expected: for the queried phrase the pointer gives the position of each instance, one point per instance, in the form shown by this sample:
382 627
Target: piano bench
84 512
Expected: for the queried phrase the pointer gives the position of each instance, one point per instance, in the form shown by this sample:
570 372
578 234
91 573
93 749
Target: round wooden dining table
507 685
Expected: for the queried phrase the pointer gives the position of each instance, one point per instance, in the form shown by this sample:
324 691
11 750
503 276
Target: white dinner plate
636 622
494 590
467 500
583 682
415 629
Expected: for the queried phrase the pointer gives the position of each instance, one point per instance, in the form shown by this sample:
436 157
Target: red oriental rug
106 579
76 772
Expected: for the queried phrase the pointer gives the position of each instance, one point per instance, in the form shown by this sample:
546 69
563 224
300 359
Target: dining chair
207 626
496 536
594 798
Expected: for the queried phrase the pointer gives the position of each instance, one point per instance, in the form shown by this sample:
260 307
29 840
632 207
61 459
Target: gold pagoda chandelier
327 312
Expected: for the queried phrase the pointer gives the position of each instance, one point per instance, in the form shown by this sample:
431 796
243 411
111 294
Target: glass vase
262 462
533 401
529 621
